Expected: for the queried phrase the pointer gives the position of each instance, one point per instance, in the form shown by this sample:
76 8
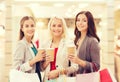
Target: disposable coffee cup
50 51
71 49
41 50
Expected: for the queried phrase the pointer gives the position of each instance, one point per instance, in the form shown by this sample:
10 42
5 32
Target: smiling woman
26 57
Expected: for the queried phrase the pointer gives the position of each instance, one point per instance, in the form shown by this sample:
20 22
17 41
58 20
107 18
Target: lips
30 31
56 31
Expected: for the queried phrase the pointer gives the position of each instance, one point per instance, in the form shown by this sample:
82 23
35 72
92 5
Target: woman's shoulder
92 39
21 43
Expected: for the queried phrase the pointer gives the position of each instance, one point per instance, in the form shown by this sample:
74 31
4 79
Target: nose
80 22
56 27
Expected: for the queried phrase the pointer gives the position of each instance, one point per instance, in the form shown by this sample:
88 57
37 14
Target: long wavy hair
91 32
21 34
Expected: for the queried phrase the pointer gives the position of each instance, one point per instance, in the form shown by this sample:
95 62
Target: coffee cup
41 50
71 49
50 51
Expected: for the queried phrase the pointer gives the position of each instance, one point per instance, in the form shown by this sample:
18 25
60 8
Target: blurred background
105 12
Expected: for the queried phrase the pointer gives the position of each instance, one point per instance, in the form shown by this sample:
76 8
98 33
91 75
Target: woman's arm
95 54
19 60
46 62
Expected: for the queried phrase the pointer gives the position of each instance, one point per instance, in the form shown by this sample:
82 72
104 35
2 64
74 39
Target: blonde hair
64 26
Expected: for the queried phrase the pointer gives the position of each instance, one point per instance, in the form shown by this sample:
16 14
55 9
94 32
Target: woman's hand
53 74
76 60
73 58
40 56
37 58
48 58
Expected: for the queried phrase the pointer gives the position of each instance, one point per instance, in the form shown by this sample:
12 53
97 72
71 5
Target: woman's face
28 28
56 27
82 23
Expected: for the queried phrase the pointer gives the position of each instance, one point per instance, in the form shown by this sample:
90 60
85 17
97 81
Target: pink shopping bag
88 77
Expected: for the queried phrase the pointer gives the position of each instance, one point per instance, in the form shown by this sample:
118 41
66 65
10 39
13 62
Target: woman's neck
28 39
56 39
55 42
80 40
83 35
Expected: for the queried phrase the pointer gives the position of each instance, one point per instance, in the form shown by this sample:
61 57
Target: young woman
26 58
87 43
59 41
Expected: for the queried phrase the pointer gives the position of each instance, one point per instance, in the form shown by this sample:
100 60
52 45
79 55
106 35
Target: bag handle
94 67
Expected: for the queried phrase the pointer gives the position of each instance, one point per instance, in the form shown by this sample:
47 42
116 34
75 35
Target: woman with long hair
87 43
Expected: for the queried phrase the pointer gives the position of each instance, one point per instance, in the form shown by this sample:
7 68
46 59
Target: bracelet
61 72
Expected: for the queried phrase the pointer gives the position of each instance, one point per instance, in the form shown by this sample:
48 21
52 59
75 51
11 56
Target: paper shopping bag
61 78
106 76
18 76
70 79
88 77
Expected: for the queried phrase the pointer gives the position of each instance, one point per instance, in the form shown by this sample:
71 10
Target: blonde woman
59 41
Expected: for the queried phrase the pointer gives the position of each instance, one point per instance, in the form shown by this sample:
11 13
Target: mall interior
105 12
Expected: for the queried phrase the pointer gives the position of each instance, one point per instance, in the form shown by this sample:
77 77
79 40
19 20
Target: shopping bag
19 76
70 79
106 76
61 78
88 77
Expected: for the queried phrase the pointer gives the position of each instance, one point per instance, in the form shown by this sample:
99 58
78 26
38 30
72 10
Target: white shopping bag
88 77
61 78
18 76
70 79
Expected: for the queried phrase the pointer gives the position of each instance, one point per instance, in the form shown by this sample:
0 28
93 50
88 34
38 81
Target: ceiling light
83 5
58 5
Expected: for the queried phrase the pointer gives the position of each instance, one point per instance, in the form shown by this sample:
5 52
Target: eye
26 25
59 25
84 20
32 25
78 20
53 25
